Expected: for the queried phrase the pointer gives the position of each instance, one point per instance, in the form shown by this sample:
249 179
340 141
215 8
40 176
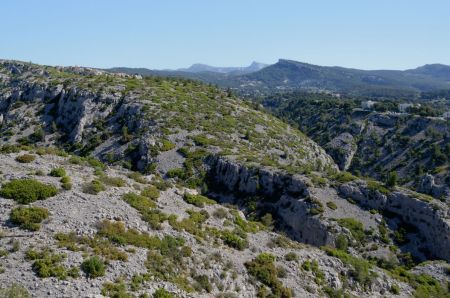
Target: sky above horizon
382 34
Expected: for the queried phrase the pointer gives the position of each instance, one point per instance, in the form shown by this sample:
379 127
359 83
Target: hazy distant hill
196 68
292 75
288 75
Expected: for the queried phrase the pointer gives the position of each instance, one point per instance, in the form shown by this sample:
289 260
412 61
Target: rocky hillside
144 122
228 201
147 235
375 143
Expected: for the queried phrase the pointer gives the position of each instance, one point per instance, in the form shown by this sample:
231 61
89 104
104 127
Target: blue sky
368 34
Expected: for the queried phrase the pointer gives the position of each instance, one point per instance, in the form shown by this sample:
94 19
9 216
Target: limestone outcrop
431 219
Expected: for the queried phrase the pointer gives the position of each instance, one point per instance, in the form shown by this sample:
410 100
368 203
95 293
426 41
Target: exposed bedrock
286 194
431 219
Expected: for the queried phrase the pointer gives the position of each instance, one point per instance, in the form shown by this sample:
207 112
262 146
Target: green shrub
202 283
331 205
306 265
93 267
395 289
392 179
66 183
94 187
95 163
344 177
48 264
267 220
341 242
65 179
264 270
176 173
160 183
113 181
25 191
376 186
197 200
316 206
138 177
118 290
220 213
97 244
138 202
151 192
291 256
58 172
25 158
232 239
356 228
360 268
29 217
166 145
201 140
162 293
246 226
14 291
334 293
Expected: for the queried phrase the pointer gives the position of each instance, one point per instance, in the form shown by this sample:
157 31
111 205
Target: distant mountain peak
200 67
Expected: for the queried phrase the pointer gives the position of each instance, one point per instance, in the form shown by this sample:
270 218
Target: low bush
25 191
151 192
264 270
117 289
424 285
356 228
139 202
176 173
232 239
245 225
113 181
267 220
360 268
344 177
58 172
331 205
197 200
66 183
202 283
291 256
166 145
97 245
48 264
376 186
220 213
341 242
14 291
138 177
395 289
25 158
160 183
162 293
29 217
94 187
93 267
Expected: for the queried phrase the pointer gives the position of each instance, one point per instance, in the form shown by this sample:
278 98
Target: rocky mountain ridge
203 139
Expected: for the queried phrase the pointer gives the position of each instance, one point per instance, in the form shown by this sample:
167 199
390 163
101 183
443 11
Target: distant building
368 104
403 107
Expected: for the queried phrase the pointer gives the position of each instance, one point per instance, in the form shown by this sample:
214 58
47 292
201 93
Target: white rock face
431 219
342 148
